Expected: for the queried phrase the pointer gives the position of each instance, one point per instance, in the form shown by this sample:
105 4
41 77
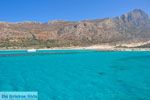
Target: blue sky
45 10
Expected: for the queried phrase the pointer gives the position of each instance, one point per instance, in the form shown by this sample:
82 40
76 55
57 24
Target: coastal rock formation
133 26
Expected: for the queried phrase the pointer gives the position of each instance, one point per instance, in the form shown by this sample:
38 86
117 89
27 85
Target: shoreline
94 47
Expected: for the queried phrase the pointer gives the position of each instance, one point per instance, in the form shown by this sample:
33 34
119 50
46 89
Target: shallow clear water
77 75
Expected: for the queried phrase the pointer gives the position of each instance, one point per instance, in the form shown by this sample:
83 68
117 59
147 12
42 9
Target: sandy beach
93 47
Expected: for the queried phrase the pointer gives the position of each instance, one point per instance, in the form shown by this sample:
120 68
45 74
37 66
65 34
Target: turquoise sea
77 74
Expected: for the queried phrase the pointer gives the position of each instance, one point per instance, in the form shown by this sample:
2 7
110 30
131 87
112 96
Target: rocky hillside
127 28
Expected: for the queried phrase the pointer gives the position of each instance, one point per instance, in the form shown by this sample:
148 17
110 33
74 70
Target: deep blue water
77 75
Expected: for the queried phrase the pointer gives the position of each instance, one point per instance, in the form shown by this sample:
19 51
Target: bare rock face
132 26
135 18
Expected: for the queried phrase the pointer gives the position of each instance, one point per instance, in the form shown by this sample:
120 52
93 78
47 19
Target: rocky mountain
131 27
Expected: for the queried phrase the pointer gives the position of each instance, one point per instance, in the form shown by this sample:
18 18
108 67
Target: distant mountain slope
132 26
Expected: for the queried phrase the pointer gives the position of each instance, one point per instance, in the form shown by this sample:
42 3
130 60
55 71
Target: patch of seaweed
101 73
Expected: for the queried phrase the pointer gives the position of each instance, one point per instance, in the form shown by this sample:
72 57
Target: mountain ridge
131 26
